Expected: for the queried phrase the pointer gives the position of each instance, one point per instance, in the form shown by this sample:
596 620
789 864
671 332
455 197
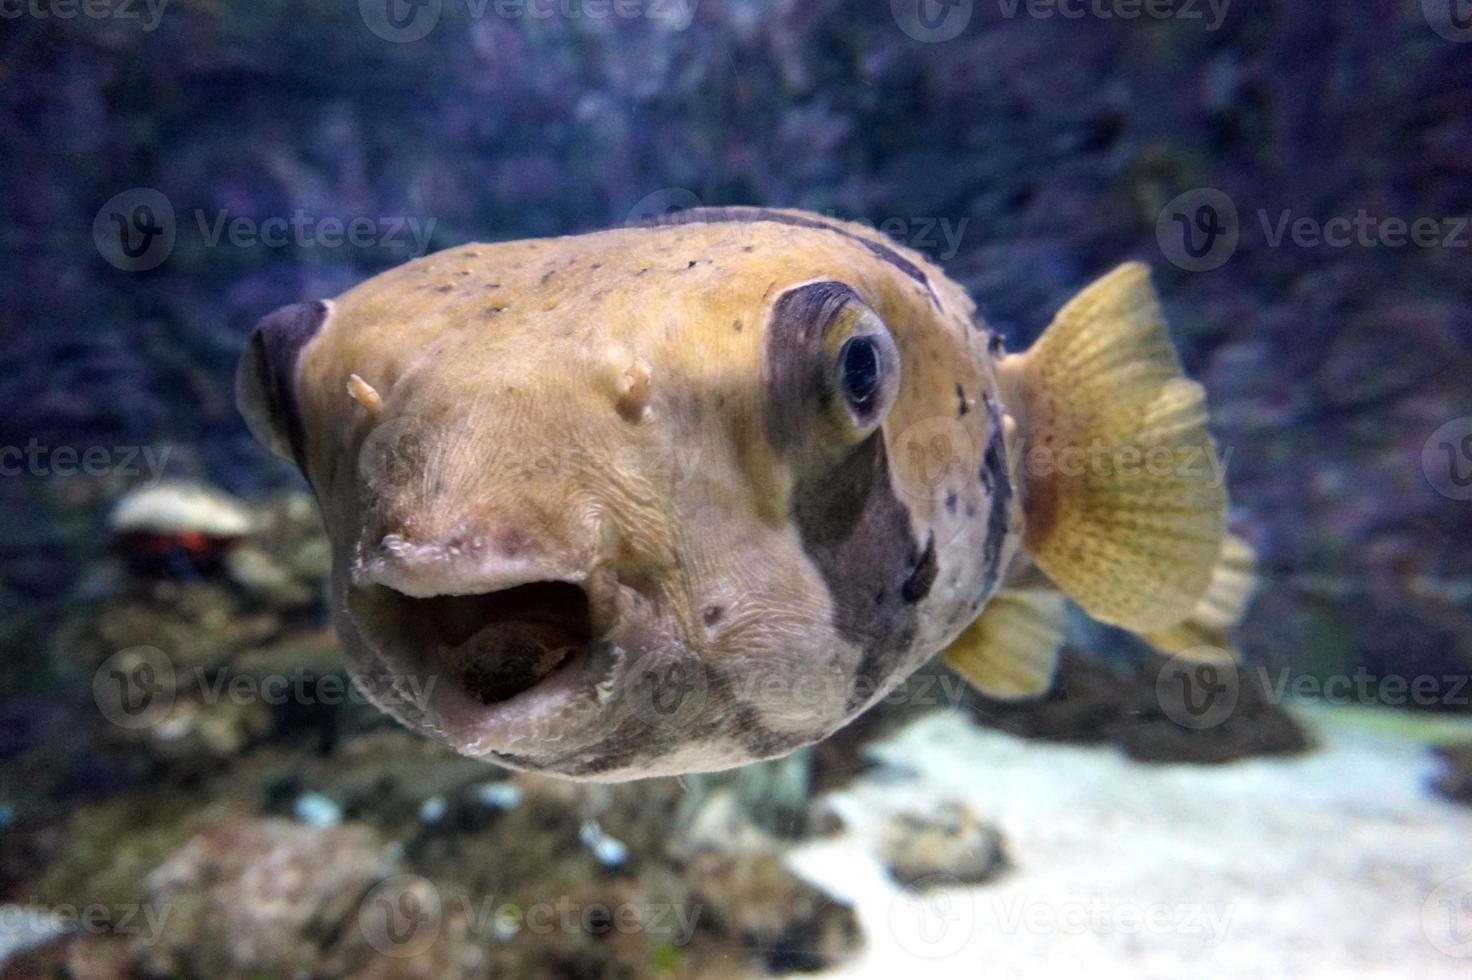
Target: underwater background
1299 176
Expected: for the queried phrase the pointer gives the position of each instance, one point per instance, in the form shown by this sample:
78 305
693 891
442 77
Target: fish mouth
503 643
489 671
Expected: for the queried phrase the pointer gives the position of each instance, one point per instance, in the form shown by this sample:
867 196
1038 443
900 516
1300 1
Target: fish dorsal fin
1123 506
1011 649
1205 630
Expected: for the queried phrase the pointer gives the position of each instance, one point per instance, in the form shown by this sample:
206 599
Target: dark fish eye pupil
860 366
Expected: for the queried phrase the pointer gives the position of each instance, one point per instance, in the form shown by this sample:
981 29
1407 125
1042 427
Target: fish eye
861 368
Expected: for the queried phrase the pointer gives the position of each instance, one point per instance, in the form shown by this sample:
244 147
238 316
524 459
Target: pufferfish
679 497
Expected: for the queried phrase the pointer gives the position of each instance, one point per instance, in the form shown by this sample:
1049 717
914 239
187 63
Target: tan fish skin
637 502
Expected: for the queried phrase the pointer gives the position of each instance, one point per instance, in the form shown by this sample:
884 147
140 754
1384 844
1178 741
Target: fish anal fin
1011 650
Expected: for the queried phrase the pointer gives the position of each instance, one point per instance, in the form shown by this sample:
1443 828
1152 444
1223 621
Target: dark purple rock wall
1029 152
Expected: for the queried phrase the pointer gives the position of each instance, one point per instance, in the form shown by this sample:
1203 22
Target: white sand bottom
1339 863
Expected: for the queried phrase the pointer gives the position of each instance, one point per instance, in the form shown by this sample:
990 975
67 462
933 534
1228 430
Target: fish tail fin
1010 651
1203 634
1122 500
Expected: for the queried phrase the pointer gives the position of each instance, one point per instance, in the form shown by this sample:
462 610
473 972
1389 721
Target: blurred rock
1456 782
947 843
1094 701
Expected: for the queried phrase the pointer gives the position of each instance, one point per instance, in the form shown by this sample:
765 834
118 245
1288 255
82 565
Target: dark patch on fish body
994 477
269 367
799 319
857 533
854 527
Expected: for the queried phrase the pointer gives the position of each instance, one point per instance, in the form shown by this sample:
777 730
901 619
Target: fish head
629 514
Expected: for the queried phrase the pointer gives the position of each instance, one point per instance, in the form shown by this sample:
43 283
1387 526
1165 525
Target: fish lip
431 569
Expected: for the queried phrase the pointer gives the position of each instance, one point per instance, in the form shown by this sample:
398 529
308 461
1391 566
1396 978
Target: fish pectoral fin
1203 634
1011 649
1122 497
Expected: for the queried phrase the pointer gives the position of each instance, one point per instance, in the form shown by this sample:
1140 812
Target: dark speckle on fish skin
994 345
737 325
950 502
743 214
713 615
962 407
